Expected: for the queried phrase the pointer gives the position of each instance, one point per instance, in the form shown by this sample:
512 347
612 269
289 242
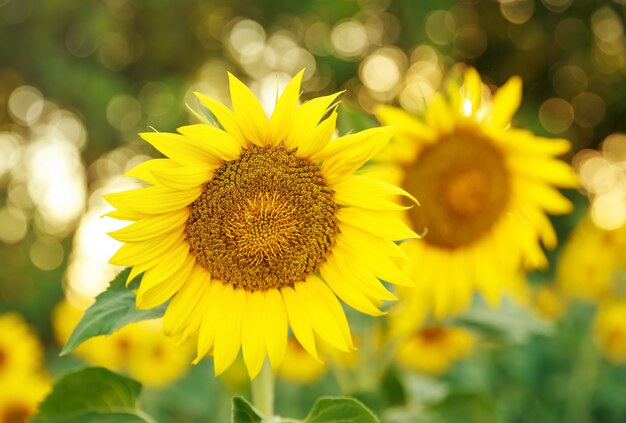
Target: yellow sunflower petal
183 177
180 148
326 315
211 311
318 139
283 114
218 142
151 227
158 294
345 155
186 301
253 333
144 170
224 116
299 321
248 112
307 117
147 250
369 193
473 88
388 228
153 200
276 329
228 335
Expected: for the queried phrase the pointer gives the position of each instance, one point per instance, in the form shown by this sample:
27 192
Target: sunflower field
349 211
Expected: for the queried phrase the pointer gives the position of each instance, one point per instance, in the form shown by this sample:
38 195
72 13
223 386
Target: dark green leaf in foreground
340 410
91 395
243 412
113 309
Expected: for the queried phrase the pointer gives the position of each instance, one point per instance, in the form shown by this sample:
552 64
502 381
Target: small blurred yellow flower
485 190
20 396
589 261
139 348
433 349
549 303
610 330
298 365
20 350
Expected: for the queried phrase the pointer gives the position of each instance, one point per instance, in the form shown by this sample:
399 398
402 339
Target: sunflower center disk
462 184
265 220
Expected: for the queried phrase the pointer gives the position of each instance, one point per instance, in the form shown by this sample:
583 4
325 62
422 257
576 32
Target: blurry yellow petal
506 101
472 88
439 116
407 124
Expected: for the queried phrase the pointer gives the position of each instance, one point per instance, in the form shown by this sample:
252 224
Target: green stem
582 381
263 393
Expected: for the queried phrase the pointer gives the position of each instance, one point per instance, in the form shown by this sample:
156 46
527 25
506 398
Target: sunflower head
433 350
261 224
485 189
20 350
610 330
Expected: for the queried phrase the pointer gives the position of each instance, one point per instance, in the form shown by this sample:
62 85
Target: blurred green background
79 79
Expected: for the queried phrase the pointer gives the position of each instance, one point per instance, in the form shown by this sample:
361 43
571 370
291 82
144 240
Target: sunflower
433 349
610 330
485 189
20 350
139 348
20 397
261 224
299 366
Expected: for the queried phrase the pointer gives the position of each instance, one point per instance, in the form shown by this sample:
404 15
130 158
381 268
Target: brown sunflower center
462 184
265 220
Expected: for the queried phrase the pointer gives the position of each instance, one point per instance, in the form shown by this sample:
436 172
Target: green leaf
466 407
340 410
113 309
351 120
510 322
243 412
93 394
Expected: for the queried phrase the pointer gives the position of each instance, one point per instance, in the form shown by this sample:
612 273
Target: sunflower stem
263 392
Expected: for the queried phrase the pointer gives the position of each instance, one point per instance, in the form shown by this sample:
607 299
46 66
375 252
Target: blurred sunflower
485 189
140 348
20 350
259 225
591 262
610 330
433 349
20 397
298 365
